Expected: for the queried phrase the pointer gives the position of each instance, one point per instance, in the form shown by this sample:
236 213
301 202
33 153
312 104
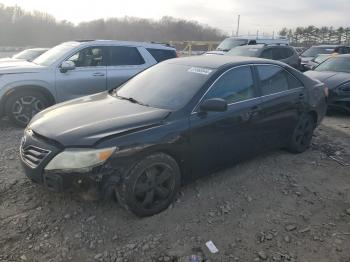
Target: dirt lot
276 207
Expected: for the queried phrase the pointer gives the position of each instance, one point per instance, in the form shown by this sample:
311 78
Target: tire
22 106
302 134
150 186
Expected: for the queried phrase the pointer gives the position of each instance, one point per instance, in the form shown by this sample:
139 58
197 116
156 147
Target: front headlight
72 159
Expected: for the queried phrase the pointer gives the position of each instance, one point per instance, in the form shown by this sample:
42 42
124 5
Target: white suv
71 70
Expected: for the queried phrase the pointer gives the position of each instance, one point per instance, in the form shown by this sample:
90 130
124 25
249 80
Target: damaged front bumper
36 152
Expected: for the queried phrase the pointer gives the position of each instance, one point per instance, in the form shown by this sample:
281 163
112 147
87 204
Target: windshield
230 43
167 86
51 56
28 55
244 51
321 58
315 51
336 64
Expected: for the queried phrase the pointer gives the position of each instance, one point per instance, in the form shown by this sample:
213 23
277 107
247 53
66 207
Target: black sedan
335 73
175 121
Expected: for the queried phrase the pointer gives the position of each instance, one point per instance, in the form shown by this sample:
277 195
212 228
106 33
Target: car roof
215 62
329 46
263 46
126 43
38 49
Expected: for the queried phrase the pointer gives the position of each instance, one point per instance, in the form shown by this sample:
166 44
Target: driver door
223 138
88 77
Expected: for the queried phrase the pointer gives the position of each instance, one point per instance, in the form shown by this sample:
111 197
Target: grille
33 155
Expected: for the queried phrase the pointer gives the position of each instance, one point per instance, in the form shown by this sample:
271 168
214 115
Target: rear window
252 51
280 53
124 55
162 54
315 51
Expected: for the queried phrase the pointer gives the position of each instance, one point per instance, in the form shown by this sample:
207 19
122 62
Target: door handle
300 99
254 111
98 74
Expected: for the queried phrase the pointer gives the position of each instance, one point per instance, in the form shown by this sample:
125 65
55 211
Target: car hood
19 67
84 121
331 79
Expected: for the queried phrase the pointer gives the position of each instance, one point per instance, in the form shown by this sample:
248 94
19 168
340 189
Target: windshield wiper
131 99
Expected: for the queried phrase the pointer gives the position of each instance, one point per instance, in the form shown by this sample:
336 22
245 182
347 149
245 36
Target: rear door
221 138
123 62
284 97
89 76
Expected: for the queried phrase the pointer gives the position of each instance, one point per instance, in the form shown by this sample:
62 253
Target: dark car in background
177 120
335 73
25 55
283 53
232 42
316 61
314 51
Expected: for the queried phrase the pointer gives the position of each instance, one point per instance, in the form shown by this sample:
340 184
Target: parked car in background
165 125
314 51
316 61
283 53
71 70
232 42
25 55
335 73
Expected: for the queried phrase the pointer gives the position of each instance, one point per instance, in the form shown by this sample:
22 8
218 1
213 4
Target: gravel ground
275 207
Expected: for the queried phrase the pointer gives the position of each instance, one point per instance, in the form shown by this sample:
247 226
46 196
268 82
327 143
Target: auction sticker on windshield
200 70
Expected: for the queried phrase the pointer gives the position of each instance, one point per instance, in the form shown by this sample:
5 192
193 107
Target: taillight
326 91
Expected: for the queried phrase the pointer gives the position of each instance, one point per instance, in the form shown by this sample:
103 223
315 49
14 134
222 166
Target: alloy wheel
303 132
25 107
154 186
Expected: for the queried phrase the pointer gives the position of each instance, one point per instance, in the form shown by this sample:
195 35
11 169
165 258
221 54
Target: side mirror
214 105
66 66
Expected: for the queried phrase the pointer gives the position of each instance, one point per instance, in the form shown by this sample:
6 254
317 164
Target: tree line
22 28
311 35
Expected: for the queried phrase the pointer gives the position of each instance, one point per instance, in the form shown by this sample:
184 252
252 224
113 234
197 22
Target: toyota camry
176 121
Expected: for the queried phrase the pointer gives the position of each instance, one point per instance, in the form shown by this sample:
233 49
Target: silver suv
71 70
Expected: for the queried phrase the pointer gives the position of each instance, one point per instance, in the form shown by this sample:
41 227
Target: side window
234 86
267 53
346 50
274 79
88 57
162 54
124 55
289 52
278 53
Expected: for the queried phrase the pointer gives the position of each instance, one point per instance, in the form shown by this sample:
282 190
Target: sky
263 15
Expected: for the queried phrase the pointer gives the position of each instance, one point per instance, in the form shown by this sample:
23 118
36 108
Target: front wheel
150 186
302 134
22 106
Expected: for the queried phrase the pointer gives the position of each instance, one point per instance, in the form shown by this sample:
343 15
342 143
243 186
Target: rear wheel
22 106
150 186
302 135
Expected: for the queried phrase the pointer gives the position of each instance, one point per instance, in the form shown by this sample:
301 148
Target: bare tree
20 28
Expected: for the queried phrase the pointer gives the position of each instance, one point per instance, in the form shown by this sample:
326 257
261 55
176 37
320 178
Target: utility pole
239 18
